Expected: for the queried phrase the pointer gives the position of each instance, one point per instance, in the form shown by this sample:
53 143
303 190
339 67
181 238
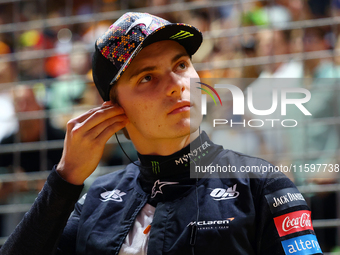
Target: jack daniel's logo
284 198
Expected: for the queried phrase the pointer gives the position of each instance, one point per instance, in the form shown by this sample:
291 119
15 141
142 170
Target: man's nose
175 84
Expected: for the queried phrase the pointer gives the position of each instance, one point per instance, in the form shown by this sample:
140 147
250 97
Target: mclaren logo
223 194
146 21
210 224
181 35
114 195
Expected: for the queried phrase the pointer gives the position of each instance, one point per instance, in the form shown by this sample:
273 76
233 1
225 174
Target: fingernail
107 103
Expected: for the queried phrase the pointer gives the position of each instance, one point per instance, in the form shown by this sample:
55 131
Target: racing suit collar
155 166
168 177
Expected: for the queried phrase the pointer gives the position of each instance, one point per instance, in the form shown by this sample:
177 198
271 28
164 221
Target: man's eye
146 79
182 66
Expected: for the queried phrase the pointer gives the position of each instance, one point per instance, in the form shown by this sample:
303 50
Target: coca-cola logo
293 222
298 222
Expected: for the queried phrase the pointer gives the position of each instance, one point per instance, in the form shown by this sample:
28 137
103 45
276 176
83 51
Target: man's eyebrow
178 56
145 69
152 68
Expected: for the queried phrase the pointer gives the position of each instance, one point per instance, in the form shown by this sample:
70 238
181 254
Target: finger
87 114
107 103
106 134
97 130
101 115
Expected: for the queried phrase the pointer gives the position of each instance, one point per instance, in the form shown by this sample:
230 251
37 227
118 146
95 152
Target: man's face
154 91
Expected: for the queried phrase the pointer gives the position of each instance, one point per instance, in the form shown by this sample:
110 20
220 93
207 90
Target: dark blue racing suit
246 213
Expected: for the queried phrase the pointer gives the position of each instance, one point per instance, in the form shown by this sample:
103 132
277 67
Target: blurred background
45 79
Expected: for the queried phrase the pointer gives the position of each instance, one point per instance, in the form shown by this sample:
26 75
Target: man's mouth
179 107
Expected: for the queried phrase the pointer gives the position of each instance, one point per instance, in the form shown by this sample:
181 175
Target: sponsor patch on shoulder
293 222
284 198
301 245
114 195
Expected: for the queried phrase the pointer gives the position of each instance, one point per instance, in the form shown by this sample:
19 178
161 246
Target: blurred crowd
45 70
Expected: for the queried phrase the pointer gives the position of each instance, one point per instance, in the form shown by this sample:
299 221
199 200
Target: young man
142 65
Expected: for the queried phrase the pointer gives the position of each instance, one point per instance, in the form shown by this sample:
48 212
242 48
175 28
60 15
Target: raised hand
85 140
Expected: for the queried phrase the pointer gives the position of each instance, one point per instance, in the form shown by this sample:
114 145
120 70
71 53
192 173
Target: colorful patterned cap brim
126 37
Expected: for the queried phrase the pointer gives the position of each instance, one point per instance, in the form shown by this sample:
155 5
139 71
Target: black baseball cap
132 32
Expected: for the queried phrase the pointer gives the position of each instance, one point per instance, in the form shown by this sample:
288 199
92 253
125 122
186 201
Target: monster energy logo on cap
181 35
155 167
